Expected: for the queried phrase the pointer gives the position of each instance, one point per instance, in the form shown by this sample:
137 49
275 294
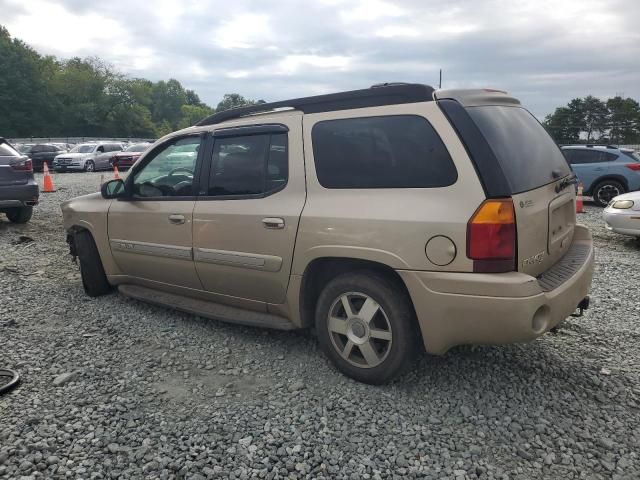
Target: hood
635 196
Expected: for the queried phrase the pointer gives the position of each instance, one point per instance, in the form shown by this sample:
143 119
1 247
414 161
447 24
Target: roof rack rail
611 147
377 95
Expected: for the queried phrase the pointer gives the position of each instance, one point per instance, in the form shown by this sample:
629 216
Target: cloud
544 52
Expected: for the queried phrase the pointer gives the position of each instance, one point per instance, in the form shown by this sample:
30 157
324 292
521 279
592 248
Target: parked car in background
43 152
18 189
604 170
123 160
622 215
23 147
88 157
392 219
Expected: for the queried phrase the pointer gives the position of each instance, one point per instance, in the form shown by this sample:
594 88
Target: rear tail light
491 237
22 165
633 166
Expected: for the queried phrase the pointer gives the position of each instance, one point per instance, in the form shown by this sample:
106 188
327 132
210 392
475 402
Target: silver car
88 157
622 215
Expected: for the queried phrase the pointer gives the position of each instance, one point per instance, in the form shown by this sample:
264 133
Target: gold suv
391 219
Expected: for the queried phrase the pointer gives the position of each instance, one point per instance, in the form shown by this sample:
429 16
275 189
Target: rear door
246 219
534 168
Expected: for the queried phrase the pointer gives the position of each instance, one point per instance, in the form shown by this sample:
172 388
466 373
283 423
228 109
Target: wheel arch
322 269
611 176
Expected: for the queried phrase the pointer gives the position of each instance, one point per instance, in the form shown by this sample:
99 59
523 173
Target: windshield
82 149
527 154
23 148
140 147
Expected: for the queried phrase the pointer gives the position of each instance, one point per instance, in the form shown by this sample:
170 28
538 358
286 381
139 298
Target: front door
246 219
150 232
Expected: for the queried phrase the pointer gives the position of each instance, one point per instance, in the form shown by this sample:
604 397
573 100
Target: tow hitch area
582 306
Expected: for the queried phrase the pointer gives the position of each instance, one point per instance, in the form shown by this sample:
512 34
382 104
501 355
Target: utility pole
440 82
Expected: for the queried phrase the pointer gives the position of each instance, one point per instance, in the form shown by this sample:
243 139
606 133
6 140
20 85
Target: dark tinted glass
527 154
381 152
249 165
583 155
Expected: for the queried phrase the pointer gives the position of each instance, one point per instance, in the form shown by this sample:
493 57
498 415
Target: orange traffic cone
116 174
579 200
47 182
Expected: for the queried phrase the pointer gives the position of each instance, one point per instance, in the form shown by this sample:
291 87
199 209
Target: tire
20 214
604 191
373 359
89 166
94 280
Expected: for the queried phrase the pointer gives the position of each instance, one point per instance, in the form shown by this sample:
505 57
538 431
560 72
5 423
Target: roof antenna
440 82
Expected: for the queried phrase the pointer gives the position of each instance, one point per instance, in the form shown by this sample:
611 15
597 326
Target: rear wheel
366 326
89 166
20 215
604 191
94 280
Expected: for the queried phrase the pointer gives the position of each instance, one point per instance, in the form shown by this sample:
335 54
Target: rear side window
249 165
401 151
7 150
527 154
581 156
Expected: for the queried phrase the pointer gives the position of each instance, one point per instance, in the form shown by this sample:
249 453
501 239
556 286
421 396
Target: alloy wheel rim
360 330
89 167
607 192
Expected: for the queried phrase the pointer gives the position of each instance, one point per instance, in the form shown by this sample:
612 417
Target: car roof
374 96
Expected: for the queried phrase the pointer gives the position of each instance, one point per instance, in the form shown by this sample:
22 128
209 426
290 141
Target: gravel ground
114 388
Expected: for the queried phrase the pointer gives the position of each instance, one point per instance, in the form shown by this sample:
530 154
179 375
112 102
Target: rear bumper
25 195
471 308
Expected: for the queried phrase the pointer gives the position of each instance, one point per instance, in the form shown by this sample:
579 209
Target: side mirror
113 189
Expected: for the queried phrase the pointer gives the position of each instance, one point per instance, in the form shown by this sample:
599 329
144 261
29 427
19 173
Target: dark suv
43 152
18 189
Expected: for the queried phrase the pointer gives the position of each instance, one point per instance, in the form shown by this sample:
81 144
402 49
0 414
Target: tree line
589 119
44 96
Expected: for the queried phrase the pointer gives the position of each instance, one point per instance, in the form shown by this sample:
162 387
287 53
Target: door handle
273 222
176 219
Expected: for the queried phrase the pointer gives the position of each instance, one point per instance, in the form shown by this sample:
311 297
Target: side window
608 157
170 170
402 151
249 165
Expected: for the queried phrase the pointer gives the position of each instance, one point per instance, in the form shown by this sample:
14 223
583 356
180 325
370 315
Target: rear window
401 151
7 150
527 154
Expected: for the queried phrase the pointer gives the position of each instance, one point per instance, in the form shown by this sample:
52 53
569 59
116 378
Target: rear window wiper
565 182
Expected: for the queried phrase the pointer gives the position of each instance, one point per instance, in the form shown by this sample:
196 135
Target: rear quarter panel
389 226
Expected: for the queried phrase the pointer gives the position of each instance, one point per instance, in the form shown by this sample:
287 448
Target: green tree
192 114
27 105
624 120
235 100
168 98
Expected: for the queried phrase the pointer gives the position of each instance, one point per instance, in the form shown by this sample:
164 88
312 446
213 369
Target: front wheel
606 190
89 166
20 214
366 325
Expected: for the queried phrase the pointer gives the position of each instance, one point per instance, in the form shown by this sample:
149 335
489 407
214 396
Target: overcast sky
543 52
